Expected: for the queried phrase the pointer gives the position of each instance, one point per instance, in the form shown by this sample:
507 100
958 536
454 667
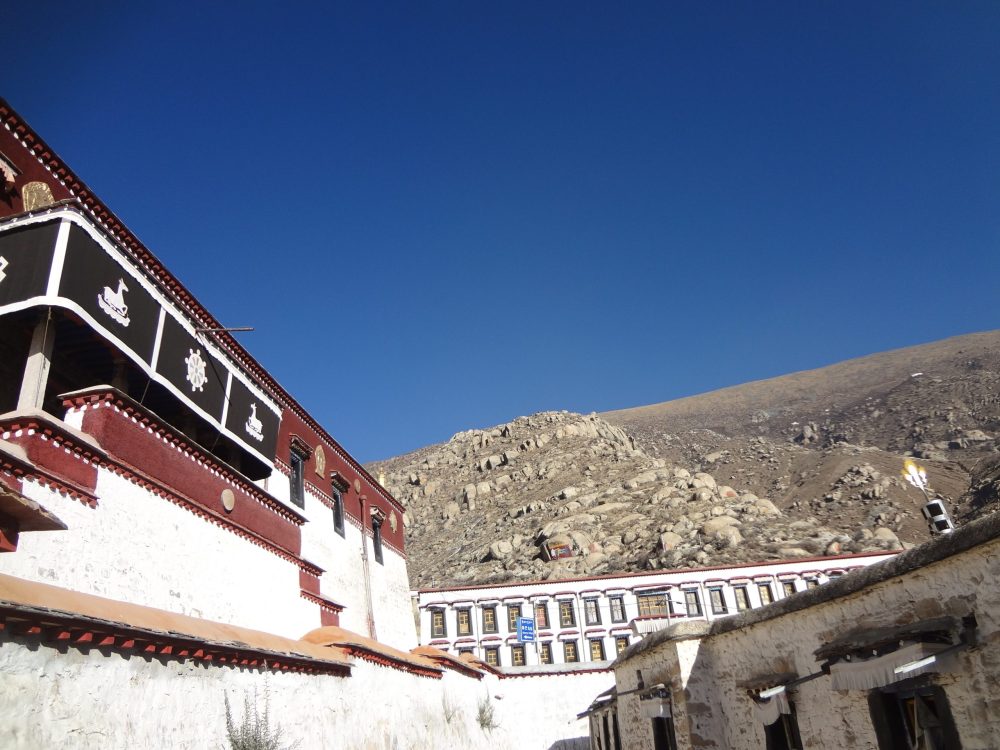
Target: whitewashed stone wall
343 580
711 711
138 547
92 701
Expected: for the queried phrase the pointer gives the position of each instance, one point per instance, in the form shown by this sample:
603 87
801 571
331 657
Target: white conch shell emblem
254 427
113 303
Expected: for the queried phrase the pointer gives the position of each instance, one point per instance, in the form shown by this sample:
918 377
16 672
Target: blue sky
514 207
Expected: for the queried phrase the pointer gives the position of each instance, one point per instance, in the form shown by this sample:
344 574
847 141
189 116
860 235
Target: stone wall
71 698
138 547
707 668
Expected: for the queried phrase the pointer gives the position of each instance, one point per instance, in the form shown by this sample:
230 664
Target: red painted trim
322 601
56 476
65 629
382 659
8 535
573 673
86 452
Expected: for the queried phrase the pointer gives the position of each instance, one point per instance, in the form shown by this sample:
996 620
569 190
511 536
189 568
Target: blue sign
525 630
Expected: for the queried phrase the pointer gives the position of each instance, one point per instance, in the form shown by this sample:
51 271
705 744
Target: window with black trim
297 477
617 609
567 615
784 733
766 595
464 618
653 605
541 615
570 653
466 650
911 717
788 587
597 649
377 538
338 512
812 583
693 602
492 655
718 601
517 655
742 597
545 652
489 619
438 627
621 643
513 612
591 612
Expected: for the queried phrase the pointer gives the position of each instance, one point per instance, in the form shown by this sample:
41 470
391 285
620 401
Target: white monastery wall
391 600
138 547
343 580
340 558
90 701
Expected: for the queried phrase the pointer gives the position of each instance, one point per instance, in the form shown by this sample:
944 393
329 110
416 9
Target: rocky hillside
939 402
482 507
799 465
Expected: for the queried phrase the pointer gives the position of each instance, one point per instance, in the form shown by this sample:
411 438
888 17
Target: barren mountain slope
803 464
939 402
482 506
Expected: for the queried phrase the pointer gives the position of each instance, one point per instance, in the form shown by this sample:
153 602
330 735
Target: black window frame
297 476
692 595
467 630
653 604
885 706
491 608
377 540
543 621
784 733
571 644
442 631
617 605
515 649
761 588
338 512
599 642
741 595
722 608
592 605
545 652
567 622
621 643
495 651
513 613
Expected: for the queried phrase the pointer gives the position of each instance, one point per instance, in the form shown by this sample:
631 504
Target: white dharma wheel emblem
196 370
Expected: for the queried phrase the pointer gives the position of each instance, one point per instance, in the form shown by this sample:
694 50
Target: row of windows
297 493
571 654
649 605
567 617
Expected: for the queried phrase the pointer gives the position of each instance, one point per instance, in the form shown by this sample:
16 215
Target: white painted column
36 368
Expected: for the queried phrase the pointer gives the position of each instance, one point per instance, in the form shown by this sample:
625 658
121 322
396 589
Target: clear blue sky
511 207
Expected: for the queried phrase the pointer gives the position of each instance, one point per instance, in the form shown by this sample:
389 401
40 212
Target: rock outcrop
506 503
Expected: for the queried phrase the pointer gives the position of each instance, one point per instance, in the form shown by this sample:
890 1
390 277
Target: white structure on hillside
587 620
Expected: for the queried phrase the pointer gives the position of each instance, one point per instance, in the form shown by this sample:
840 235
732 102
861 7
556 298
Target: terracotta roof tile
365 647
